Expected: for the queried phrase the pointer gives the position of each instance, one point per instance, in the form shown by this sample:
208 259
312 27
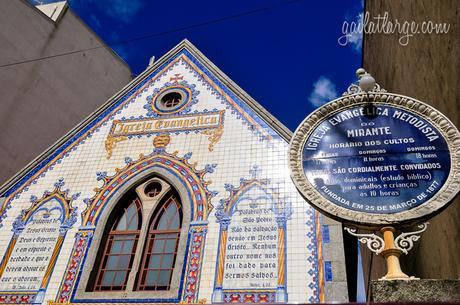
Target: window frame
151 238
168 181
107 253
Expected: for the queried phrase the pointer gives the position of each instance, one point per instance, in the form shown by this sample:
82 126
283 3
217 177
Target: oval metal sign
394 160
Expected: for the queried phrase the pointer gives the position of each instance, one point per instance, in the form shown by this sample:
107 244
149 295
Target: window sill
127 295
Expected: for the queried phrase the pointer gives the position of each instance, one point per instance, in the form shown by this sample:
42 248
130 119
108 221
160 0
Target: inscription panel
32 251
378 159
251 254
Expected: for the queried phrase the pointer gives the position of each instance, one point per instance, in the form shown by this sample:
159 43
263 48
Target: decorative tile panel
211 144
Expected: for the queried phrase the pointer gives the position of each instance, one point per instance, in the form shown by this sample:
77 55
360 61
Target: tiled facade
226 158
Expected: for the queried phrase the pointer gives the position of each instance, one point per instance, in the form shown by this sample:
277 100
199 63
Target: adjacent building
426 68
54 71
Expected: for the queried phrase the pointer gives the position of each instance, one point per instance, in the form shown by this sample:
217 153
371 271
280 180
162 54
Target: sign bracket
390 247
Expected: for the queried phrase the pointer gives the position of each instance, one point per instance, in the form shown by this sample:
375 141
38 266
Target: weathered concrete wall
416 291
42 100
428 69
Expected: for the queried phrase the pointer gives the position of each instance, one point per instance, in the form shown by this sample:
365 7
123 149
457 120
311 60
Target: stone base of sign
415 291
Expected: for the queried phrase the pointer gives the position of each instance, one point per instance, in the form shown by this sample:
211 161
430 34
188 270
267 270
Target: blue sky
285 54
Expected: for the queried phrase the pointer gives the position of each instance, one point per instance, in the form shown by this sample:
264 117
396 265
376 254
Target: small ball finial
366 81
360 72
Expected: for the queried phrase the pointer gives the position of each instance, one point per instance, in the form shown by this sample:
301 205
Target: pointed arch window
140 242
161 247
120 248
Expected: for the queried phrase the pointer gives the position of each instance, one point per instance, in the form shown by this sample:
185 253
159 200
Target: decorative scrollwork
355 89
405 241
110 144
352 89
375 243
214 136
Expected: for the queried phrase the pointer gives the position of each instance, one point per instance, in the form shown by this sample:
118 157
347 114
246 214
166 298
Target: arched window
140 242
120 248
161 247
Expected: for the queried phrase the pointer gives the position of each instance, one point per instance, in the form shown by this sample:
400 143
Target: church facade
177 190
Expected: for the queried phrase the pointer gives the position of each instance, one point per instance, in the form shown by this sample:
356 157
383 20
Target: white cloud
323 91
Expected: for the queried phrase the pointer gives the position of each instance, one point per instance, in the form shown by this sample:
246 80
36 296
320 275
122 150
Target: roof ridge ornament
366 83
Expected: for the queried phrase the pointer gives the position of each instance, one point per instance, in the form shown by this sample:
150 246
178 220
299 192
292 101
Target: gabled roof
28 171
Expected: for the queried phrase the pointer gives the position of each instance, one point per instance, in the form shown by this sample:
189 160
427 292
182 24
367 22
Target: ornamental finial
360 72
366 81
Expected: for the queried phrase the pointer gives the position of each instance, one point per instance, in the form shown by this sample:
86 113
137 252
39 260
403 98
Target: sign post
377 161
